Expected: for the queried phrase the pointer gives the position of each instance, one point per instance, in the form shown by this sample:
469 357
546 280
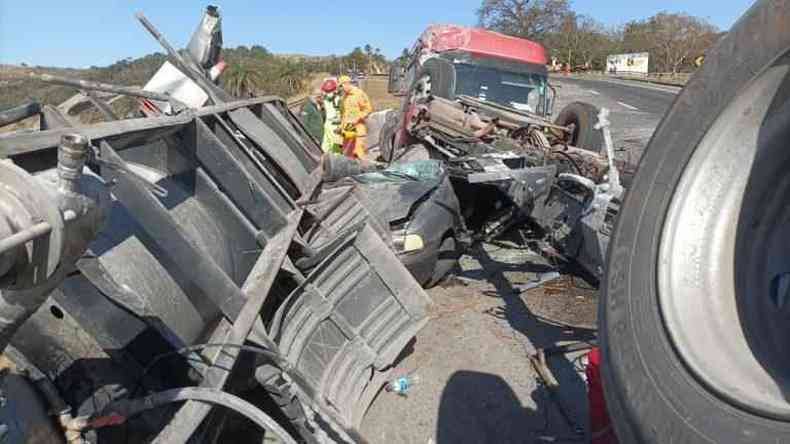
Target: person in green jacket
313 116
332 142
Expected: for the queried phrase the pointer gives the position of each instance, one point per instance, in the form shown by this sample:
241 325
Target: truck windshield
523 91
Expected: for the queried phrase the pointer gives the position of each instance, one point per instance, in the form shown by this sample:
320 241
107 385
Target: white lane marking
629 106
594 92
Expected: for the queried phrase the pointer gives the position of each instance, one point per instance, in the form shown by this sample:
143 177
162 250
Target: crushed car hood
393 201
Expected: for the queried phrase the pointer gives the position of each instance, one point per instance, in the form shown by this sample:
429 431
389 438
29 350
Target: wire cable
193 348
118 412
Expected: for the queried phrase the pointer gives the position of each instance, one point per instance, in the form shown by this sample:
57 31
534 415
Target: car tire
693 350
441 73
583 116
446 259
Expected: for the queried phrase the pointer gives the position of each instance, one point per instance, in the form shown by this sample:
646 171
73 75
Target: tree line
255 70
675 41
251 70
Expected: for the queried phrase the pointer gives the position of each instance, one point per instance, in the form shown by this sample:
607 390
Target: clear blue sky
99 32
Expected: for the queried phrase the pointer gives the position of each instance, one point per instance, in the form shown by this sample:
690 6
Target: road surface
636 107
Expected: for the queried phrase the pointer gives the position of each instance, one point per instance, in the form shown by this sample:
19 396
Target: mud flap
338 209
344 327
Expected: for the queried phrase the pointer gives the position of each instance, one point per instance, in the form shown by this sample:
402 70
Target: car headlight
407 243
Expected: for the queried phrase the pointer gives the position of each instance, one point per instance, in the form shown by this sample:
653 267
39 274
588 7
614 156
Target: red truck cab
475 62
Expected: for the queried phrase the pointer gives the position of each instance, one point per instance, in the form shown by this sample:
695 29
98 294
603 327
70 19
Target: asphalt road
633 96
636 107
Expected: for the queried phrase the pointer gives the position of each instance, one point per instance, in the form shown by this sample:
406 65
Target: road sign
636 63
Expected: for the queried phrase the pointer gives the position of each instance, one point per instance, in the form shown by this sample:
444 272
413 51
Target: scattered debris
540 279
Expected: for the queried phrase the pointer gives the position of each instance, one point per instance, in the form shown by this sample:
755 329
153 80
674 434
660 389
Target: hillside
251 71
17 87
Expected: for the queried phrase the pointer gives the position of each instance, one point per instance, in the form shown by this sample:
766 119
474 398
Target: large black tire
449 252
441 73
583 116
714 175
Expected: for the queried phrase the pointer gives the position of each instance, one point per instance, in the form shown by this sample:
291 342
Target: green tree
532 19
404 55
292 78
580 41
673 40
242 79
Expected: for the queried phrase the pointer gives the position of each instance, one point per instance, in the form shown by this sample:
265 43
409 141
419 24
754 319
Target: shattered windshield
523 91
419 170
510 84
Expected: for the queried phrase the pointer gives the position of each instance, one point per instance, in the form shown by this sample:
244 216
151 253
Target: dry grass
376 87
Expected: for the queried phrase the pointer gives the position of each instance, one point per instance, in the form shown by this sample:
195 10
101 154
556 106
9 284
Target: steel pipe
18 113
106 87
22 237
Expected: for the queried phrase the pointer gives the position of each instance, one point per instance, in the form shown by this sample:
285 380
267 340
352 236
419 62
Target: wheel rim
724 261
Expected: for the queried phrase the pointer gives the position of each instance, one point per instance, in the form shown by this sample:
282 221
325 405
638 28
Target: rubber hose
208 395
573 162
182 351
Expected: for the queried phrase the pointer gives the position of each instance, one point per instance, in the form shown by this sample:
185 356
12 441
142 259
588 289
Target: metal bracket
122 169
615 187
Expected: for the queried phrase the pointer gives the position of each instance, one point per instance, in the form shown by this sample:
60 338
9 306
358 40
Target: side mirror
396 79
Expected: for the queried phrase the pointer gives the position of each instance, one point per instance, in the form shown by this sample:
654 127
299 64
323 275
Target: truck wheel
445 261
583 117
436 77
695 306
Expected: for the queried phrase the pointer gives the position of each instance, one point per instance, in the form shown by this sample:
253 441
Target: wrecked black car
416 202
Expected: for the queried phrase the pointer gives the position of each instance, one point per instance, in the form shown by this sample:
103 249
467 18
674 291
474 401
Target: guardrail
670 79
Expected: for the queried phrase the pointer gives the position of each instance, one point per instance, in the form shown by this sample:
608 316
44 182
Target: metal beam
106 87
53 118
257 157
24 236
104 108
275 147
18 113
240 180
16 144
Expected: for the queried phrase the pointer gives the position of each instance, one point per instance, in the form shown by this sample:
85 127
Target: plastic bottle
403 384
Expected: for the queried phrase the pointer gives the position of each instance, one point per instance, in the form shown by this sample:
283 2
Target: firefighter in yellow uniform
354 111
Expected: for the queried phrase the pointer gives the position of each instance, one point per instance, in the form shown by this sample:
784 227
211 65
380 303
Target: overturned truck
155 267
481 102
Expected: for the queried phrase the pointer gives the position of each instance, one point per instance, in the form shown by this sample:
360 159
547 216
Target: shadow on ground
479 408
542 331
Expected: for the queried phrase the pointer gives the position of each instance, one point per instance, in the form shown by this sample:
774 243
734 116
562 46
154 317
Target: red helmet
329 85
